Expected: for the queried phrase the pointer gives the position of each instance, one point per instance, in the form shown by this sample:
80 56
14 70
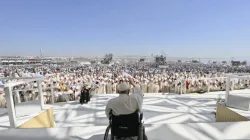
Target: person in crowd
106 77
2 99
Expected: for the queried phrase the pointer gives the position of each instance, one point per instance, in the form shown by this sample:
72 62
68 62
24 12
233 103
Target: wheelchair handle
141 116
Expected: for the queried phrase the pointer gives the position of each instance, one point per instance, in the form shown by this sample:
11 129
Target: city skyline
170 58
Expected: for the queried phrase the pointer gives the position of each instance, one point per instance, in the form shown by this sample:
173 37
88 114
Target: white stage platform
4 119
178 117
197 131
158 109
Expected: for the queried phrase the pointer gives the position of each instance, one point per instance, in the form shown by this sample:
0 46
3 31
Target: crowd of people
67 80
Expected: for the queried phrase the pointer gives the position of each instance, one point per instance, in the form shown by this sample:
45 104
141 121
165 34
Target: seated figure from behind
85 97
126 104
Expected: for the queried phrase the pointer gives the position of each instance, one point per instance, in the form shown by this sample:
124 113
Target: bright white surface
29 107
157 109
235 100
175 117
197 131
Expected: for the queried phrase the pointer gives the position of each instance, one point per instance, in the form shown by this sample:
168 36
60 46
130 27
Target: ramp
226 114
42 120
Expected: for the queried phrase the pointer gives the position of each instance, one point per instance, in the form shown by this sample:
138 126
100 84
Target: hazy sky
187 28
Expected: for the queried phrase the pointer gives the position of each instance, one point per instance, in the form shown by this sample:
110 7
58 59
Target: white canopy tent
9 97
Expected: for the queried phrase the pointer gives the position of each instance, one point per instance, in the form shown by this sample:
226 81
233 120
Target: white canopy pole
10 100
40 92
52 94
227 87
10 107
17 95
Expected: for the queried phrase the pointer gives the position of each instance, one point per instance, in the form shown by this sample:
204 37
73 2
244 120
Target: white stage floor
197 131
157 109
188 116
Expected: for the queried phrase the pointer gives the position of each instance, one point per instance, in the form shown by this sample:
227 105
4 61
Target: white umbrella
1 84
39 76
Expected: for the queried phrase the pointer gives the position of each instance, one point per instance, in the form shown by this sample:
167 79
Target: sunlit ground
189 116
157 109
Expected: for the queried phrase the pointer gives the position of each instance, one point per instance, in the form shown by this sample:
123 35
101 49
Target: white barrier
183 83
234 100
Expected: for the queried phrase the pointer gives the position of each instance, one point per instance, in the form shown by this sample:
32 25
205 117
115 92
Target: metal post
227 88
208 87
52 94
10 107
175 86
181 92
184 86
18 97
40 92
232 86
33 96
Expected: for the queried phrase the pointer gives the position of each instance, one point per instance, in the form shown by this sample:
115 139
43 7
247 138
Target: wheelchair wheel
108 135
141 132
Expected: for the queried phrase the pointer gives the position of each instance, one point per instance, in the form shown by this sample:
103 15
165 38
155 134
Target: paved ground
157 109
187 117
197 131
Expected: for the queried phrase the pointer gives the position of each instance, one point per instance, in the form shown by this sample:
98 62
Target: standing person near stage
84 94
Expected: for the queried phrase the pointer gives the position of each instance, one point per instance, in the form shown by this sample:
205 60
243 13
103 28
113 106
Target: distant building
238 63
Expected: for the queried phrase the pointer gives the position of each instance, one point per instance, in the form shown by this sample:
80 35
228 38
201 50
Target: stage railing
209 87
239 100
12 108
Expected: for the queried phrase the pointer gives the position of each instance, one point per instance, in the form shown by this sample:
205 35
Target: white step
195 131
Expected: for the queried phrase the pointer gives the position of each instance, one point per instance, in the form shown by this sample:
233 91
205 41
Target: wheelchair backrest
126 125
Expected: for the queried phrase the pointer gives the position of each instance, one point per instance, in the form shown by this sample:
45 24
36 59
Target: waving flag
1 84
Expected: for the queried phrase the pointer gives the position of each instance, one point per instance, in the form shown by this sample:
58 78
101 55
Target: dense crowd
68 80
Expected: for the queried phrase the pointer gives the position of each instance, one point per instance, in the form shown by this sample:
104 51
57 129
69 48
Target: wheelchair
84 98
124 127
